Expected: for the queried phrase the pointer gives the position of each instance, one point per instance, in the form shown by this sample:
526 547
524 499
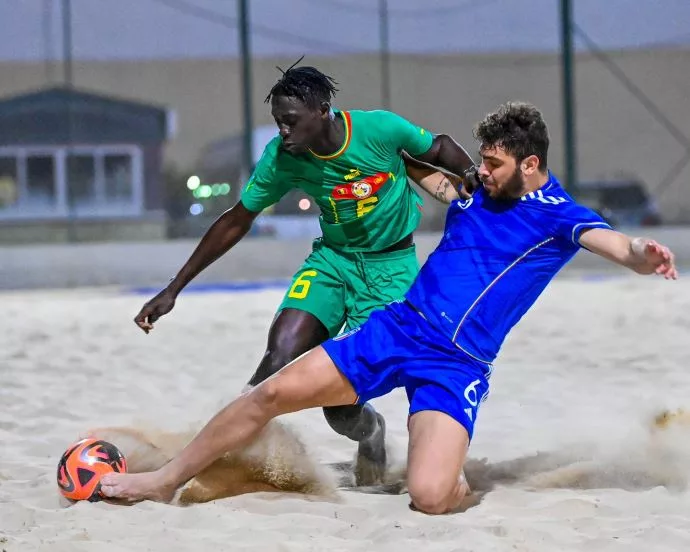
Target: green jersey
362 189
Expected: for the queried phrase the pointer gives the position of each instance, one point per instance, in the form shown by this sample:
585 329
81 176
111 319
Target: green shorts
342 289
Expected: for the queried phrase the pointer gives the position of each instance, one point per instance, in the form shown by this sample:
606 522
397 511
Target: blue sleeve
571 219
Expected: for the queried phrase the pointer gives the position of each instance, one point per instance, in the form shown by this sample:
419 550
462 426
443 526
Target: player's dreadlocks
308 84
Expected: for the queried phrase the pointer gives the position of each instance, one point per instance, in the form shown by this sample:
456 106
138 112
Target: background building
82 162
442 65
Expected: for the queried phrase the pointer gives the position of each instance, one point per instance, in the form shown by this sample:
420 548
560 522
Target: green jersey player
351 163
365 257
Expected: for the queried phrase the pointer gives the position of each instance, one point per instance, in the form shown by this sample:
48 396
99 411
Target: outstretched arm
441 185
642 255
225 232
261 191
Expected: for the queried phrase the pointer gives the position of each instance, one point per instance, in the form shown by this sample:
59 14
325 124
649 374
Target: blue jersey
493 262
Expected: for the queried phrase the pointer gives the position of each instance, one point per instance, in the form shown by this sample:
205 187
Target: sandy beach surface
570 455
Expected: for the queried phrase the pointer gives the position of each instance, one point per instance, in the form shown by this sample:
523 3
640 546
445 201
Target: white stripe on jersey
494 281
539 196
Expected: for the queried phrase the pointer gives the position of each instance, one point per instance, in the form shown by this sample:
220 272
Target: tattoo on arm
442 190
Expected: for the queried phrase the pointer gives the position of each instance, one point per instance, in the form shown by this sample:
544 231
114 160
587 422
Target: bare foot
137 486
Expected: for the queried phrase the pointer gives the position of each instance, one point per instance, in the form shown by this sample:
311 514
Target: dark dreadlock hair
308 84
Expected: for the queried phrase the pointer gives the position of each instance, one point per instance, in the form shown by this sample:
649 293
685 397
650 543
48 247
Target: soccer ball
83 464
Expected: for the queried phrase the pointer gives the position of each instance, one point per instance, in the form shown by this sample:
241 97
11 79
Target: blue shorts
397 347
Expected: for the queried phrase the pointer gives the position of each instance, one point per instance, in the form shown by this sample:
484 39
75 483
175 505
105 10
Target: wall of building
46 231
150 263
445 93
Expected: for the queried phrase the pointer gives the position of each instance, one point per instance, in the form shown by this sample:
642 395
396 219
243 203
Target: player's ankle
373 422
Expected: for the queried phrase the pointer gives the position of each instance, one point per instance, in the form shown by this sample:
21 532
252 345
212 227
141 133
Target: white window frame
59 154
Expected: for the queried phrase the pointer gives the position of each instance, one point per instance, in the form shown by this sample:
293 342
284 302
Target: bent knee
430 497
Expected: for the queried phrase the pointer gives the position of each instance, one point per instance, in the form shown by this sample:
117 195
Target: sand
571 459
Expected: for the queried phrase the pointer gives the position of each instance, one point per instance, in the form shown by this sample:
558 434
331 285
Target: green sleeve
414 139
263 189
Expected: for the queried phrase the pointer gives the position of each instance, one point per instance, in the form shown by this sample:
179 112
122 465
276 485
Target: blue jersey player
499 251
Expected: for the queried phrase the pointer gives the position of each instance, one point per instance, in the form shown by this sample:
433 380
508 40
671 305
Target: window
9 187
40 182
82 181
118 177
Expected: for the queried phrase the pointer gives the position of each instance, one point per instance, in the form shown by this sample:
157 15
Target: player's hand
470 182
462 192
160 305
662 258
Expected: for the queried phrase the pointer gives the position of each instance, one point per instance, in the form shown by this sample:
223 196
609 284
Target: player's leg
436 454
445 388
445 394
312 310
374 280
311 380
316 294
292 333
362 424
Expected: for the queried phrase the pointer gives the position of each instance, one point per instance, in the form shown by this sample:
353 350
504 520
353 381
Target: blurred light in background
193 182
196 209
204 191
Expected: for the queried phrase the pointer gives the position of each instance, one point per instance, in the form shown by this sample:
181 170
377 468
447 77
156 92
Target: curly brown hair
519 129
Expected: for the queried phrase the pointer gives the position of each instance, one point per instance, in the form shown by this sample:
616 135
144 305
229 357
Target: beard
512 189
